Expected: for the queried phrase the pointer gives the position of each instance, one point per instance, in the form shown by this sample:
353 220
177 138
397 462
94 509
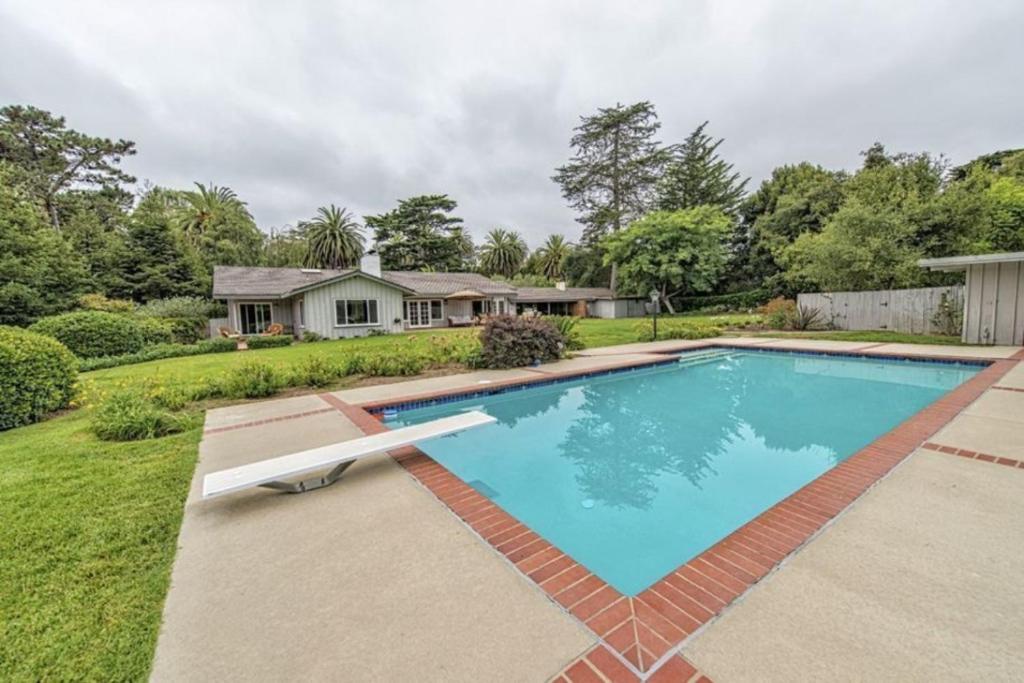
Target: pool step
702 357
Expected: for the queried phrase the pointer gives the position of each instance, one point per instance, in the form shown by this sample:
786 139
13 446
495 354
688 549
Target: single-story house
356 301
993 296
594 302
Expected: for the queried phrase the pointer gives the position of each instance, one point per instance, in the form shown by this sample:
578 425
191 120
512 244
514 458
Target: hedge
37 376
159 352
90 334
270 342
721 303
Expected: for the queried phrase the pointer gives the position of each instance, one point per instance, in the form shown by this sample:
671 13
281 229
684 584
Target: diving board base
311 484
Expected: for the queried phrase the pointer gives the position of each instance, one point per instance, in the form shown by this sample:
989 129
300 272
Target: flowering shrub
509 341
674 329
779 313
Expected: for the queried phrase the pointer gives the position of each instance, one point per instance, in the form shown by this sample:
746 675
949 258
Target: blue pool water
635 473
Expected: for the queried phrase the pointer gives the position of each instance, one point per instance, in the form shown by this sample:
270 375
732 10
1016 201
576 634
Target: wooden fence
899 310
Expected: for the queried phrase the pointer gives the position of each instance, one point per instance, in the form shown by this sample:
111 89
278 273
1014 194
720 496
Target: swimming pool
634 473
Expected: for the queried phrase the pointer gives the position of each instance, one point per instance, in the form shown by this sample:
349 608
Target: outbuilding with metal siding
994 296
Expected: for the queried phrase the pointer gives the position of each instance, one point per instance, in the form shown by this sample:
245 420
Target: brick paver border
642 634
975 455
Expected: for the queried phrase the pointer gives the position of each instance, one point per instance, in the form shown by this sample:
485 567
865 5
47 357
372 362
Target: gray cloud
295 105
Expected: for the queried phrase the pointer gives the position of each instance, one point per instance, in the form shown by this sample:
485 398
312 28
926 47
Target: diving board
271 473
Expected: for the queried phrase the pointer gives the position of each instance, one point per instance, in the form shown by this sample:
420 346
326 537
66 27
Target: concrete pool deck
375 579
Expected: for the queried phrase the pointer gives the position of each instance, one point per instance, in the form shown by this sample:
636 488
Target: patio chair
229 333
460 320
339 456
272 330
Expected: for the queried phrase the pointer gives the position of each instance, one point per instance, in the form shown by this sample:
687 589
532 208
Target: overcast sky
300 104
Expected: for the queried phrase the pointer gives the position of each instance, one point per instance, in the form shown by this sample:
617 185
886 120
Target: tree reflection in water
627 435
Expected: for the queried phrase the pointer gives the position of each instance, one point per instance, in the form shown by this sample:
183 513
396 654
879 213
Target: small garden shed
994 296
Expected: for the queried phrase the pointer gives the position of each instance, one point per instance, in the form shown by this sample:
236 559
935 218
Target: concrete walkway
374 579
371 579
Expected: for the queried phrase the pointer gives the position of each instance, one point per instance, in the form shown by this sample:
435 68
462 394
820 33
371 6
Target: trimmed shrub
509 341
130 415
311 336
183 307
253 379
566 326
37 376
90 334
159 352
155 331
723 303
270 342
674 329
99 302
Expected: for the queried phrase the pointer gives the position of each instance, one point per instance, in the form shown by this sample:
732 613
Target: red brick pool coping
647 629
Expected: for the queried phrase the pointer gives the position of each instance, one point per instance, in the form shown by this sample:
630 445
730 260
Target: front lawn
86 546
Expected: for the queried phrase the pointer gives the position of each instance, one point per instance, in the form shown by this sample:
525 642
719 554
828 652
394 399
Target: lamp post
654 311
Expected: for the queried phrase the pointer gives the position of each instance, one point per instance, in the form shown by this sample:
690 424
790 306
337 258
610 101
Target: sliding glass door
253 318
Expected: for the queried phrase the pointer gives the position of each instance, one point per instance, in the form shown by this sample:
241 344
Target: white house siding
994 304
318 307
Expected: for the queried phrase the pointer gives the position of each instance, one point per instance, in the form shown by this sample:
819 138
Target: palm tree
204 205
551 257
503 252
334 239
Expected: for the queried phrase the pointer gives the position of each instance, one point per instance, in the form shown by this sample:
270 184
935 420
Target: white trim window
356 312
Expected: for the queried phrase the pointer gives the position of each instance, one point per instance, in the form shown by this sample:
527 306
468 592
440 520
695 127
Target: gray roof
961 262
443 284
235 281
271 283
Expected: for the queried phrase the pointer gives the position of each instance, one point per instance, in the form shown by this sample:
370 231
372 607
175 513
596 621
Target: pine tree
697 176
616 164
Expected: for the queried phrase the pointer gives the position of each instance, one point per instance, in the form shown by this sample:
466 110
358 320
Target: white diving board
271 473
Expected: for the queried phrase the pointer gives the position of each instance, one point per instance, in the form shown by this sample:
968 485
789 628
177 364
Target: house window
355 312
253 318
436 311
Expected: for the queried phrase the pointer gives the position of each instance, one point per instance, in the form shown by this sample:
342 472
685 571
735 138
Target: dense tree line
648 208
676 218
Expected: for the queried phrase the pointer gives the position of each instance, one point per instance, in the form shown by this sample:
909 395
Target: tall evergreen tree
420 234
615 166
698 176
52 158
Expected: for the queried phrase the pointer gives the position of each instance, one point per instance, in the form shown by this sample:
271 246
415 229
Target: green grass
600 332
880 336
89 527
86 546
191 370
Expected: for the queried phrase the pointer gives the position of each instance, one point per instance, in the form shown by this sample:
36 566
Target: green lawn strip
86 545
193 369
880 336
604 332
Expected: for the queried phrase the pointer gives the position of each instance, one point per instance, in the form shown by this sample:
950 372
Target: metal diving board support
274 472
